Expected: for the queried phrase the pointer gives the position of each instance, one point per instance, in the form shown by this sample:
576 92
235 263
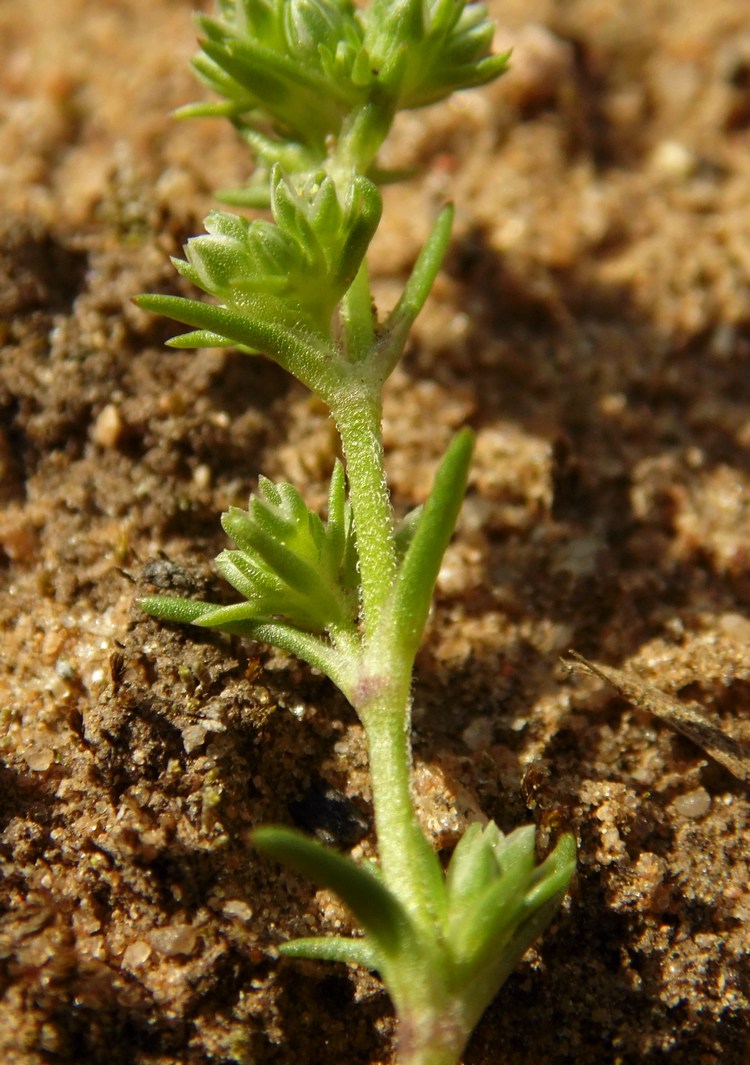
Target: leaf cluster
492 904
291 72
275 278
288 564
298 574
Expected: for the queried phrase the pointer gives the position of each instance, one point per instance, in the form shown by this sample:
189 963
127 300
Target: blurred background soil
593 324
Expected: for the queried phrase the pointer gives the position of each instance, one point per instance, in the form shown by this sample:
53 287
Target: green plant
313 86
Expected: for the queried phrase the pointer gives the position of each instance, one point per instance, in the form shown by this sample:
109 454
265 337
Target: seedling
313 87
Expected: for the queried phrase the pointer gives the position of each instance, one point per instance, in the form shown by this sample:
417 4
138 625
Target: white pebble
107 428
237 908
39 760
174 939
692 804
136 954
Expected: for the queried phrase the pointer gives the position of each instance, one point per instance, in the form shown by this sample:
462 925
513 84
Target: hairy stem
380 691
363 133
358 418
410 867
388 725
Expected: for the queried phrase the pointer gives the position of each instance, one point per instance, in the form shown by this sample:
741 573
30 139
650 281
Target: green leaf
358 318
363 206
313 25
378 911
338 524
506 918
297 575
333 948
279 284
257 332
399 322
445 45
496 960
554 874
285 68
493 912
202 338
405 618
472 867
241 619
171 608
251 580
289 564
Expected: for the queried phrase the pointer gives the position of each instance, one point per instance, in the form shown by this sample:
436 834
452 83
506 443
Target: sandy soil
593 325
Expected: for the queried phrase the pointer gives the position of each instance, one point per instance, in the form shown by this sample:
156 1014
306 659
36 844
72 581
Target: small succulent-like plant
313 86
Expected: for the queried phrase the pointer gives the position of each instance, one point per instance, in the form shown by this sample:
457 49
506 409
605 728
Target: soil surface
593 325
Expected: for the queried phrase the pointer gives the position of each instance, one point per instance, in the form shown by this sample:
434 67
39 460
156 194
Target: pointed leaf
405 530
556 870
171 608
254 329
333 948
336 521
417 289
516 850
297 573
269 491
412 593
491 920
249 579
491 969
512 911
202 338
472 867
219 320
378 911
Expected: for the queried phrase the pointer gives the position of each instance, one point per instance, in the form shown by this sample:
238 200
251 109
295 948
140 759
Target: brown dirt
593 325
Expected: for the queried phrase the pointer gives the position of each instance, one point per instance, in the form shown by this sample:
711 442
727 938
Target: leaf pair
497 901
299 577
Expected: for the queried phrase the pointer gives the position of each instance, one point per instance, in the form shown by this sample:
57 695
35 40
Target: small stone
735 625
478 734
108 427
692 804
193 737
202 476
673 160
237 908
136 954
18 539
39 760
174 939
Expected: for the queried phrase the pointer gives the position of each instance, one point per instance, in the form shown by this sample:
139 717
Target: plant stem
387 720
430 1015
363 133
380 690
358 417
441 1048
